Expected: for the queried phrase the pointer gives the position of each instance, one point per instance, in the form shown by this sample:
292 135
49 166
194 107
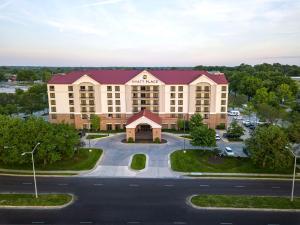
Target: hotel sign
145 81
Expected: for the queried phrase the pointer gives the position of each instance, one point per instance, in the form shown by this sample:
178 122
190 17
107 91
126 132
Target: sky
149 32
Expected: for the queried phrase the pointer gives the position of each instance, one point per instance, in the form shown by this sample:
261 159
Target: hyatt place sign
144 81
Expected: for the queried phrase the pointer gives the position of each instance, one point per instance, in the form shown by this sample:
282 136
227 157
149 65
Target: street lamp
294 174
184 133
24 153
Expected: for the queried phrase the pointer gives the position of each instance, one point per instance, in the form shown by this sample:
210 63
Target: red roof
123 76
146 113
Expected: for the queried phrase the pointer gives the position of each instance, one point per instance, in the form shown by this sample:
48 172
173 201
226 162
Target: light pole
294 174
24 153
184 133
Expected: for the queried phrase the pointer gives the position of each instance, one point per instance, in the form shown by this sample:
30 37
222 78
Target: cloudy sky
149 32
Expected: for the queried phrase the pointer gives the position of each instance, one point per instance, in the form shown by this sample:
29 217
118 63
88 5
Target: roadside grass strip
30 200
239 201
94 136
138 162
207 161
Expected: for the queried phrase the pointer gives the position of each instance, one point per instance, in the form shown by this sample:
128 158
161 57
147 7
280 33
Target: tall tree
195 121
203 136
95 122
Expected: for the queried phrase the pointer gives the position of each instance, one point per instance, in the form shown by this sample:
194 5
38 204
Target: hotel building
137 99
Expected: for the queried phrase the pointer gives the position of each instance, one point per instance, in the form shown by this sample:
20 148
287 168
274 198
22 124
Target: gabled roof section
146 113
123 76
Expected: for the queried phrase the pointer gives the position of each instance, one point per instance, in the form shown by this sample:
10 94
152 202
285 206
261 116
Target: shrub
221 126
157 140
130 140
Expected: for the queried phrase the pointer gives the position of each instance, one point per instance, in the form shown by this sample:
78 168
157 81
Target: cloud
104 2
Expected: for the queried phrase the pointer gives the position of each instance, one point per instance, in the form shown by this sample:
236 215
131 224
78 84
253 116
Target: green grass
197 161
186 136
30 200
93 136
82 160
236 201
138 162
175 131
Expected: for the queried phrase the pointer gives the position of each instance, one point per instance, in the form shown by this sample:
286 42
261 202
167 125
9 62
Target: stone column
156 133
130 133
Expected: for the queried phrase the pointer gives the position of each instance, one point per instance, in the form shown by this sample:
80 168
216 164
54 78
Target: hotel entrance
143 132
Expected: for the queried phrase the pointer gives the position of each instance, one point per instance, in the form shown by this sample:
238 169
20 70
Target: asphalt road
144 201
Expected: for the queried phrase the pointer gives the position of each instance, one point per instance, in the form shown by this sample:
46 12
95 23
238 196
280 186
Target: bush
157 140
130 140
221 126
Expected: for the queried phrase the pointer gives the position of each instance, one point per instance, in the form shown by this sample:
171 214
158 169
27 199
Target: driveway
117 156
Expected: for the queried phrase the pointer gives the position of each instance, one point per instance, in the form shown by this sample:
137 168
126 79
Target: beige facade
75 102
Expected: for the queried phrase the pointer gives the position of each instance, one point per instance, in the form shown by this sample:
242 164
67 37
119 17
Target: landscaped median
138 162
29 200
83 159
94 136
244 202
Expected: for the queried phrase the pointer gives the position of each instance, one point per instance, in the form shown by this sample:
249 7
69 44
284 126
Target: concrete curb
83 173
189 202
40 207
146 163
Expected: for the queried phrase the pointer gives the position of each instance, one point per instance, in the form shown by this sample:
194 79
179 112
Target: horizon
130 33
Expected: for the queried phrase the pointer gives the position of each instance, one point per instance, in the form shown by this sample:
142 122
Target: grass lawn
30 200
93 136
82 160
239 201
186 136
138 162
204 161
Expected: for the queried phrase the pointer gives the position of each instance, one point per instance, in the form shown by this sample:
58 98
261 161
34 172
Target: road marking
26 183
179 222
86 222
168 185
134 185
239 186
37 222
62 184
275 187
98 184
225 223
204 185
133 222
273 224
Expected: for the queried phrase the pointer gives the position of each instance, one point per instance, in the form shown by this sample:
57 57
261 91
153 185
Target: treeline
32 100
57 141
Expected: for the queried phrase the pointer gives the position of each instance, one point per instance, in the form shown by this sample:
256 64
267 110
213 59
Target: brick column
130 133
156 133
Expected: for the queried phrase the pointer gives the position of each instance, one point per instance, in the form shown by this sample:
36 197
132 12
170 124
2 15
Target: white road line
239 186
225 223
26 183
133 185
62 184
204 185
37 222
273 224
98 184
86 222
168 185
133 222
275 187
179 222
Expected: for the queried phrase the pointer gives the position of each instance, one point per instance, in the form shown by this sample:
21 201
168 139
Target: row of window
117 109
173 88
145 88
84 88
110 88
173 95
110 95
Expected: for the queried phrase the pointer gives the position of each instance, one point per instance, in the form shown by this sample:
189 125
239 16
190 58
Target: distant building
139 100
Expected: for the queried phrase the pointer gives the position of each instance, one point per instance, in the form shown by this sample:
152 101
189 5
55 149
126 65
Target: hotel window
109 102
135 95
135 102
51 88
223 109
134 88
206 88
180 88
109 95
71 109
223 102
117 126
109 88
108 127
206 109
83 109
223 95
53 116
110 115
180 102
155 109
180 109
143 95
173 115
71 95
198 95
155 95
198 102
118 115
205 116
173 126
180 116
82 95
198 88
91 102
52 95
82 88
172 109
110 109
206 95
164 126
224 88
135 109
198 109
173 88
118 102
53 102
117 95
90 88
155 102
223 116
143 88
117 88
83 102
172 95
118 109
72 116
206 102
180 95
92 109
91 95
84 116
155 88
143 102
70 88
71 102
53 109
172 102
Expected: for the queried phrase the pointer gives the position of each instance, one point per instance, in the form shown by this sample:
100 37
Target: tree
95 122
235 130
180 124
195 121
203 136
249 85
263 96
268 147
294 132
26 75
269 113
284 93
248 110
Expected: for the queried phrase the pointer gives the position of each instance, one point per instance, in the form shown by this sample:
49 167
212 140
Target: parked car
234 113
238 117
228 151
246 123
252 126
218 137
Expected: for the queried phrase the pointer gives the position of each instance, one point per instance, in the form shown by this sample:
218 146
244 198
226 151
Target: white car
218 137
234 113
228 151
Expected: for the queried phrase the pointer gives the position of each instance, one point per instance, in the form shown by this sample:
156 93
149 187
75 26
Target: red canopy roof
123 76
146 113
